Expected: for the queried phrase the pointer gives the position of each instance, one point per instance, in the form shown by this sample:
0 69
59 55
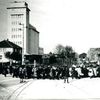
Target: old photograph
49 49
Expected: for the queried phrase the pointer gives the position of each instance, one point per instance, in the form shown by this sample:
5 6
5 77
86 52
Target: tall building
20 31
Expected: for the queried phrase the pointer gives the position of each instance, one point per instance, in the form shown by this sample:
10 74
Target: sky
74 23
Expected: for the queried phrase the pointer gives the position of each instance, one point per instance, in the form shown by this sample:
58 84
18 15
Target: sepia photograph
49 49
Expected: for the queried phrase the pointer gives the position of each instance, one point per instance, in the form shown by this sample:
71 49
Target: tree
52 59
67 54
83 55
8 55
16 56
59 49
13 55
83 58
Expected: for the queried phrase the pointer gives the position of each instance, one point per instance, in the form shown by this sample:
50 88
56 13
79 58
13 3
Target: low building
8 47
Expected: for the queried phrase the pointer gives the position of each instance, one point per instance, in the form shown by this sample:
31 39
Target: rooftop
33 28
18 4
8 44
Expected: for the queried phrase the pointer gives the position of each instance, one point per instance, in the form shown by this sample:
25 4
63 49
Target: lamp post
23 44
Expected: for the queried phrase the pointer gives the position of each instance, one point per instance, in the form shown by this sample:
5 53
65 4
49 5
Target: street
12 89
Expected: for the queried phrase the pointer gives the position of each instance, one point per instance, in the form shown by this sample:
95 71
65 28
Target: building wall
18 13
33 44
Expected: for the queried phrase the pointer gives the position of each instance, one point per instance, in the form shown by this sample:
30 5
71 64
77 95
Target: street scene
49 49
11 89
49 83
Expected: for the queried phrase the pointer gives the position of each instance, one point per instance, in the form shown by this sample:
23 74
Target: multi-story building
20 31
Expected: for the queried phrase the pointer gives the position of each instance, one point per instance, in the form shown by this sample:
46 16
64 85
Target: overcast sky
67 22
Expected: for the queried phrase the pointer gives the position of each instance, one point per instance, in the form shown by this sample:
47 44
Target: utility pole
23 44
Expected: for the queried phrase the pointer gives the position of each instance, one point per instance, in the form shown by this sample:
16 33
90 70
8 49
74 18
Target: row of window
15 22
16 29
18 42
16 36
17 15
2 49
0 56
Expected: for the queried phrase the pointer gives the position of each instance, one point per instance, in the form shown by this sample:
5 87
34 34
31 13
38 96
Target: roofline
36 31
11 47
10 43
18 8
33 28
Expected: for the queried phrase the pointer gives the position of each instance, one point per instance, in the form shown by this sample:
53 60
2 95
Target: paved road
8 85
12 89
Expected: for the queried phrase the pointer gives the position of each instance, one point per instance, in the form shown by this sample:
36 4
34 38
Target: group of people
50 72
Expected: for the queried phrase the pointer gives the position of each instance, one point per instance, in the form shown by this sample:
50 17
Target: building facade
20 31
11 48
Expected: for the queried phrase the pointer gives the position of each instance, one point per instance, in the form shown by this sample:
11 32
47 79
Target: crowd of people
50 71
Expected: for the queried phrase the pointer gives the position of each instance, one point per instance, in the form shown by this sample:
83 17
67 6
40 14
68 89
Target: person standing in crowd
98 71
34 70
5 70
53 72
22 73
58 72
14 71
29 71
11 70
74 73
66 74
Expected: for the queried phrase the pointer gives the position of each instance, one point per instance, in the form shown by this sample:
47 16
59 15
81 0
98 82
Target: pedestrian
98 71
34 74
11 70
5 70
66 74
21 73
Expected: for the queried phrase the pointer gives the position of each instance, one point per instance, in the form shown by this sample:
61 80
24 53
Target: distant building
93 54
7 46
20 31
41 51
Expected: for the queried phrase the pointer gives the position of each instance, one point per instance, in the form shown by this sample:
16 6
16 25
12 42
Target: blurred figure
22 71
11 70
29 71
5 70
34 70
74 73
98 71
66 74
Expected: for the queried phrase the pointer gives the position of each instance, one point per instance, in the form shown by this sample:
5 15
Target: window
0 56
17 15
0 49
4 49
14 36
20 42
